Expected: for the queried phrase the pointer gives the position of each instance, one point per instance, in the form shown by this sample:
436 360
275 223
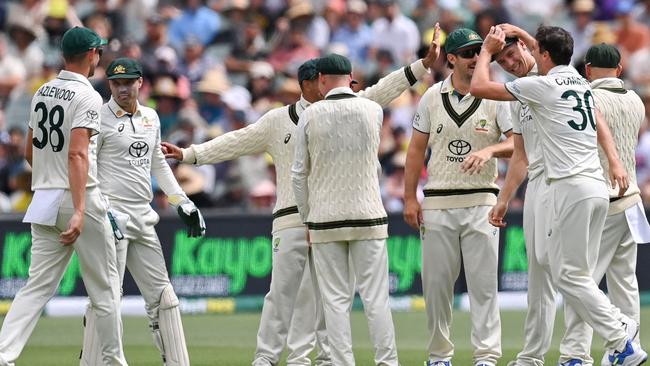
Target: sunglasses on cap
470 53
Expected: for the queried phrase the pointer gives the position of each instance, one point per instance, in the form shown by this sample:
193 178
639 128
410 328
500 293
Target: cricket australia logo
138 149
276 245
119 69
481 126
458 148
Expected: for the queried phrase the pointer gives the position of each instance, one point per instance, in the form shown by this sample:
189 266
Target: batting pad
171 330
91 353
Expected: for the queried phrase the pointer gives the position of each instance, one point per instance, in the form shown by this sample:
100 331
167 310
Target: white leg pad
91 353
169 337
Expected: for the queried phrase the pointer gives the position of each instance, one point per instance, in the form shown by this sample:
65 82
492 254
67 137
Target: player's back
562 106
60 105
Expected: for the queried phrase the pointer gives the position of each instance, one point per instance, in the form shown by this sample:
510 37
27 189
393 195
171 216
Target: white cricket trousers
538 327
95 248
140 251
447 235
576 217
292 311
368 259
616 258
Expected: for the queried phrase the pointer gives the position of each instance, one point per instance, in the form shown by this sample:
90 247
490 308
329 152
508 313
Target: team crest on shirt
276 245
146 123
481 125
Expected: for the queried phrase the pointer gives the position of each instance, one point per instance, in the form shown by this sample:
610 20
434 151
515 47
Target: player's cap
79 40
334 64
462 38
124 68
308 70
603 55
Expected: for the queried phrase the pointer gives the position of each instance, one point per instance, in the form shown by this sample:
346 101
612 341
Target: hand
494 41
413 213
75 225
511 30
192 217
434 48
476 161
618 177
171 151
495 217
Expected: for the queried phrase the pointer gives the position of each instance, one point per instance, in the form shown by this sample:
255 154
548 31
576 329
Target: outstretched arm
250 140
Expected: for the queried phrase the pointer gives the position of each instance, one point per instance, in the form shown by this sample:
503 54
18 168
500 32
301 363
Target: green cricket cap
334 64
308 70
79 40
603 55
462 38
124 68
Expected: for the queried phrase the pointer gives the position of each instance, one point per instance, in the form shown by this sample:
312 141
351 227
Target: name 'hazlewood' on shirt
571 80
54 92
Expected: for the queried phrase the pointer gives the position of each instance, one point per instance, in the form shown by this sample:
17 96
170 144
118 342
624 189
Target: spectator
301 15
12 71
194 63
293 50
157 55
196 20
168 101
355 33
210 89
24 33
396 33
581 28
632 35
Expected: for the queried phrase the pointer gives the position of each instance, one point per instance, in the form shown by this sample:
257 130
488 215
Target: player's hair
557 41
76 58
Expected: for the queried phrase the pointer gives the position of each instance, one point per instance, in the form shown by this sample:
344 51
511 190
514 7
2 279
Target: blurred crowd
218 65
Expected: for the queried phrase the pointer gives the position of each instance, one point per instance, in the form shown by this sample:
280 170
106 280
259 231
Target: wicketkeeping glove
192 217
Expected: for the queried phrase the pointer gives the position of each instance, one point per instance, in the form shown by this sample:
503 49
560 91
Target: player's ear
588 71
619 70
140 81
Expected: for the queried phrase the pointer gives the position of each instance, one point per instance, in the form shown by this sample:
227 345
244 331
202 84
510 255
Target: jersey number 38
54 134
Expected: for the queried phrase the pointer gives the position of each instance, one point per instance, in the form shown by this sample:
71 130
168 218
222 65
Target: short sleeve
529 89
514 117
422 118
87 112
504 116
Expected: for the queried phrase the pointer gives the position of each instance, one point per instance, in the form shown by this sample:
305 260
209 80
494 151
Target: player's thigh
479 242
49 258
146 263
290 252
440 233
370 264
332 264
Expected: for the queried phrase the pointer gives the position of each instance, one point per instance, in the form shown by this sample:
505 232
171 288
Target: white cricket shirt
129 153
61 104
562 105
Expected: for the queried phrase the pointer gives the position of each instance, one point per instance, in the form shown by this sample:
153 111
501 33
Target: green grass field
229 340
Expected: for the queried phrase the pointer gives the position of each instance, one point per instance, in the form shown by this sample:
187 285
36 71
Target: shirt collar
608 83
563 69
302 104
340 90
447 87
73 76
119 112
534 71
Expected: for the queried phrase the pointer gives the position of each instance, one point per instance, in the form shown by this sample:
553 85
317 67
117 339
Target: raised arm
481 85
393 85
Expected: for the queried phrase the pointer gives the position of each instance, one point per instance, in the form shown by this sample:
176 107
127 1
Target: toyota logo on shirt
459 147
138 149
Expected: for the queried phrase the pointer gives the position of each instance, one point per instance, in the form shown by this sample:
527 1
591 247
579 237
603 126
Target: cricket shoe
573 362
437 363
632 355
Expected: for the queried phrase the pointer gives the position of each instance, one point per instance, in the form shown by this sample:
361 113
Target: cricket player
562 107
336 185
291 277
67 212
624 112
516 59
129 153
463 133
